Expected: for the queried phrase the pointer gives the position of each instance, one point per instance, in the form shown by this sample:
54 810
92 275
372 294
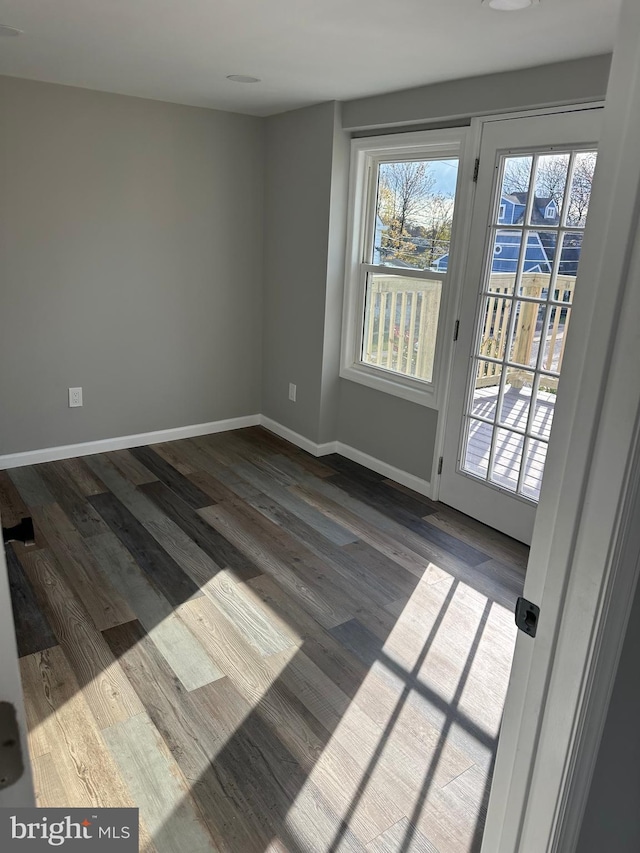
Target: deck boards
265 652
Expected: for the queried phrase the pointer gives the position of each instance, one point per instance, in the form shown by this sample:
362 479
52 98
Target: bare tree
585 166
403 198
551 179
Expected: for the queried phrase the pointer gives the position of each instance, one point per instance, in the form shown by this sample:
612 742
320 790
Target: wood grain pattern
33 632
71 500
31 486
107 692
158 787
172 478
159 567
80 571
186 727
12 507
206 538
182 652
296 654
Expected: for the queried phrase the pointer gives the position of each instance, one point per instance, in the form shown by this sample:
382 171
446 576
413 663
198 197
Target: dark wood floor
262 650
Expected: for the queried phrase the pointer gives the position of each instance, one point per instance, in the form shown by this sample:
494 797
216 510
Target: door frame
585 556
21 793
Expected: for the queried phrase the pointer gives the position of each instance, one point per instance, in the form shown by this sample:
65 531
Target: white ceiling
305 51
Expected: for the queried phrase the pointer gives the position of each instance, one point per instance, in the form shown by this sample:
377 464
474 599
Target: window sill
414 390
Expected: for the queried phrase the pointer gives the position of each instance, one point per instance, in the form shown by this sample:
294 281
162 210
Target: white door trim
584 558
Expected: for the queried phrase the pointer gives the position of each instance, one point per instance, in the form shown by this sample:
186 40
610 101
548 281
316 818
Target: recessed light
509 5
9 31
242 78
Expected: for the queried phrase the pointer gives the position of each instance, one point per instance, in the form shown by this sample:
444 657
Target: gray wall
396 431
571 82
299 167
612 817
130 264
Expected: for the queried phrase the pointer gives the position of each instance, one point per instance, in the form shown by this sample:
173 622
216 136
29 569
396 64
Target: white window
402 199
503 210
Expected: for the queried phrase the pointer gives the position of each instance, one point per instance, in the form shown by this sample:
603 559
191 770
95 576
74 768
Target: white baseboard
86 448
419 485
297 439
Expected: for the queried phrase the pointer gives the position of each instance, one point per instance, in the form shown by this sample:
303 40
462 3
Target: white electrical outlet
292 392
75 397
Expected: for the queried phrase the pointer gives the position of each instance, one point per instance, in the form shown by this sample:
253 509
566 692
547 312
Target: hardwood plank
158 787
79 512
79 569
82 476
194 743
104 687
355 580
31 487
396 771
261 628
260 684
129 467
47 784
492 542
402 543
296 568
172 478
335 533
280 786
171 454
33 632
272 443
206 537
171 538
402 836
159 567
12 508
179 647
83 772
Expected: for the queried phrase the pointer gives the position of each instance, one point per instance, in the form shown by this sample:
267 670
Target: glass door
526 238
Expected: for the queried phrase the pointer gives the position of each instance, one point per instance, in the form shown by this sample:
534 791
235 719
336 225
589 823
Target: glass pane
414 214
568 269
476 457
516 399
537 262
495 326
485 392
536 454
580 193
516 179
544 408
507 459
527 333
555 338
549 187
401 324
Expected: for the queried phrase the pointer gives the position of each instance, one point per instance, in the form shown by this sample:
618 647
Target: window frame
366 155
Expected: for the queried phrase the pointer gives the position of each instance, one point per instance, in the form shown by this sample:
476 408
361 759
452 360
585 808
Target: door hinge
456 329
475 170
440 465
527 616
